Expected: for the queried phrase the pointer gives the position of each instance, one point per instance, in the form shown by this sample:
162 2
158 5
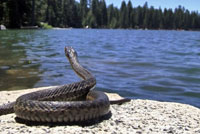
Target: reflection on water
161 65
16 71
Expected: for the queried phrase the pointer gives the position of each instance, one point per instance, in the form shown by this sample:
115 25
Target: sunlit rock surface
136 116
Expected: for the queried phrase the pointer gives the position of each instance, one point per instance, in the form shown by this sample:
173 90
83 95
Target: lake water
158 65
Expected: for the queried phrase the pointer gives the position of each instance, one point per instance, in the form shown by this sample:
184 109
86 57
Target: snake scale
67 103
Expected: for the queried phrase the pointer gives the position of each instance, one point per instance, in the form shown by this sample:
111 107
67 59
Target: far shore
68 28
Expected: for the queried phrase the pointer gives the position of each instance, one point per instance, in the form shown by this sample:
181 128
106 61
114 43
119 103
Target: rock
116 98
137 116
2 27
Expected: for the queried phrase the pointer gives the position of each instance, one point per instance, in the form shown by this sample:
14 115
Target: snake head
70 52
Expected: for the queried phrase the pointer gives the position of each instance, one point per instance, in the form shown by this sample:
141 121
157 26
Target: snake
66 103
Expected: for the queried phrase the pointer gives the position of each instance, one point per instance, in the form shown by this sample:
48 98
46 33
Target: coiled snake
67 103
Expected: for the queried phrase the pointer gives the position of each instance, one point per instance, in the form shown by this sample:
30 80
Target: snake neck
80 71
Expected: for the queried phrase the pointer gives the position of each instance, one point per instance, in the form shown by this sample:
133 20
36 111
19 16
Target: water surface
159 65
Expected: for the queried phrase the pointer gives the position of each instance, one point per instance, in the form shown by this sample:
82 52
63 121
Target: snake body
66 103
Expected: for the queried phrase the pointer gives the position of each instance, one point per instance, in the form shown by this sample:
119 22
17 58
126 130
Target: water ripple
161 65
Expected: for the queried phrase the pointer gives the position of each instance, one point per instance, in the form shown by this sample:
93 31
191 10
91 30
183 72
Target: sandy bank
137 116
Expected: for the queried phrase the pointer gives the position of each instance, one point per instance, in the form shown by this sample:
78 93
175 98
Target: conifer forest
95 14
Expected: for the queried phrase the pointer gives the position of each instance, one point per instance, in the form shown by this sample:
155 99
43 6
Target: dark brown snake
67 103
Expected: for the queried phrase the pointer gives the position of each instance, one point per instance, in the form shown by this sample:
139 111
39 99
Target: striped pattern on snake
66 103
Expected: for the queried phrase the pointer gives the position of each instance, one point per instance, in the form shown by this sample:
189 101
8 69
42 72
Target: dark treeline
94 14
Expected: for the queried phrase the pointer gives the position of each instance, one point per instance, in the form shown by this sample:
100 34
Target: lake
139 64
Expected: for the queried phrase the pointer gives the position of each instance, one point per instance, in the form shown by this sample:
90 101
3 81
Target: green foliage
123 16
94 14
83 9
90 20
45 25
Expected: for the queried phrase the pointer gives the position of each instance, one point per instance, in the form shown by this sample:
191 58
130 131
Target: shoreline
70 28
137 116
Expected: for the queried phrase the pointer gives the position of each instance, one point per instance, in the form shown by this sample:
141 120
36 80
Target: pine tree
83 8
139 17
1 11
145 15
96 12
123 15
129 14
156 19
90 20
33 13
103 11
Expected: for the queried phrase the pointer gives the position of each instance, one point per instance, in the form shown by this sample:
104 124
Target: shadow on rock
54 124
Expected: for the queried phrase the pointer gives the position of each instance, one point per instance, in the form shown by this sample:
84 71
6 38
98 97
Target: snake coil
66 103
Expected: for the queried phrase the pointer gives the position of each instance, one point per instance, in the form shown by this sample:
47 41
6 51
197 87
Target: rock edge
136 116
